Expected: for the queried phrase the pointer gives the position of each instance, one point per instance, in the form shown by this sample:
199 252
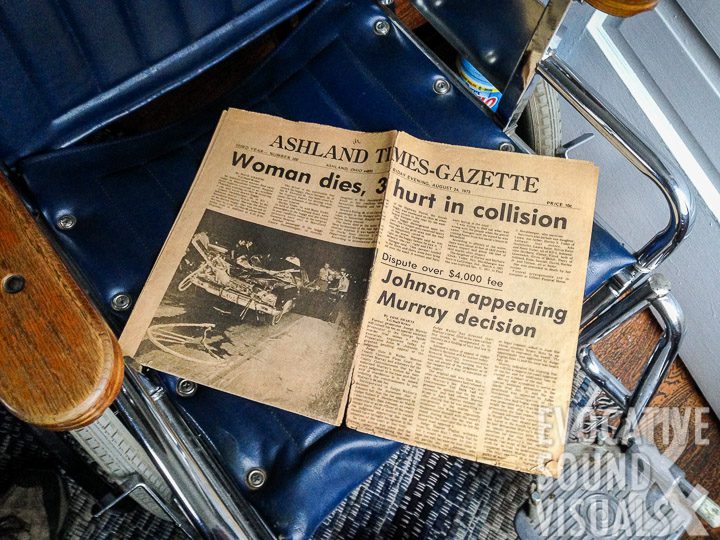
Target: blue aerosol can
478 84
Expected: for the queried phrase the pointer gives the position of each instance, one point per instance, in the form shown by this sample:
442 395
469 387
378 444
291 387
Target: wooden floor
624 353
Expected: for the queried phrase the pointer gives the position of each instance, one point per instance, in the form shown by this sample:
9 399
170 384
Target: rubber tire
540 126
118 455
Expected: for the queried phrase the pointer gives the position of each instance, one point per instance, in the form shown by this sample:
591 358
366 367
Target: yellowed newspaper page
468 341
260 286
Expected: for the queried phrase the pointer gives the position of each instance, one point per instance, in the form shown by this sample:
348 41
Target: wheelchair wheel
540 126
107 443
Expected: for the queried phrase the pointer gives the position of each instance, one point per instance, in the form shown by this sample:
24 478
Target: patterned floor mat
415 494
20 451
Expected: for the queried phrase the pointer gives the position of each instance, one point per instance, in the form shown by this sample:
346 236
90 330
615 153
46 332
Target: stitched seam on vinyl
183 25
144 163
278 52
286 78
134 144
287 432
366 71
156 157
77 42
47 100
272 105
159 184
253 80
132 32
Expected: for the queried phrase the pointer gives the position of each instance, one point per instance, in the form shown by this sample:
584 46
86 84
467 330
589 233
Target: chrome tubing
655 294
673 187
209 501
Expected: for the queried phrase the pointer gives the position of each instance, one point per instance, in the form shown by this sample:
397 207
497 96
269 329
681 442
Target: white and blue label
478 84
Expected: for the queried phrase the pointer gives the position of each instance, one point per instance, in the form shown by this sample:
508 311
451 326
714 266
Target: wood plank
623 8
624 353
410 16
60 365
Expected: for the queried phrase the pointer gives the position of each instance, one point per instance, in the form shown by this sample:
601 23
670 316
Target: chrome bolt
121 302
506 147
382 27
441 86
157 393
185 388
256 478
13 283
66 222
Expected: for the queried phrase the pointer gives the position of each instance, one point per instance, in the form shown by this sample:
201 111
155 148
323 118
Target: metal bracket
599 114
655 294
565 149
134 483
674 187
611 492
207 497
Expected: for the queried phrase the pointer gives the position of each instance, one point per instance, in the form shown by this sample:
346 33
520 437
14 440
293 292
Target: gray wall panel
661 48
704 15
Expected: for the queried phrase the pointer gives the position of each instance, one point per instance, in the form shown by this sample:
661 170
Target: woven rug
415 494
423 494
20 451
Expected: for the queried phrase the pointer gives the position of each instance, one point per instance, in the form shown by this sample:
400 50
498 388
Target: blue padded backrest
69 67
125 194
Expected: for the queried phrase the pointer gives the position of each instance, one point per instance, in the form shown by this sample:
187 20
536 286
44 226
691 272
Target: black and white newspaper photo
259 290
270 314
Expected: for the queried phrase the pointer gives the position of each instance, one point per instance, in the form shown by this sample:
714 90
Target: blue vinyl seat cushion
125 194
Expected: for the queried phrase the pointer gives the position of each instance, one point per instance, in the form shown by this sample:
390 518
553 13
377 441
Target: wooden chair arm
623 8
60 365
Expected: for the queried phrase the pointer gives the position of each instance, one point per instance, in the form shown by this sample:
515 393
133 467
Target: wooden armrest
623 8
60 365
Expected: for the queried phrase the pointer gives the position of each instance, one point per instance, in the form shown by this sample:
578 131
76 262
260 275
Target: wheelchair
216 465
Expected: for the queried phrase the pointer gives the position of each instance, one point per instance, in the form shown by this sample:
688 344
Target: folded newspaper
418 291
